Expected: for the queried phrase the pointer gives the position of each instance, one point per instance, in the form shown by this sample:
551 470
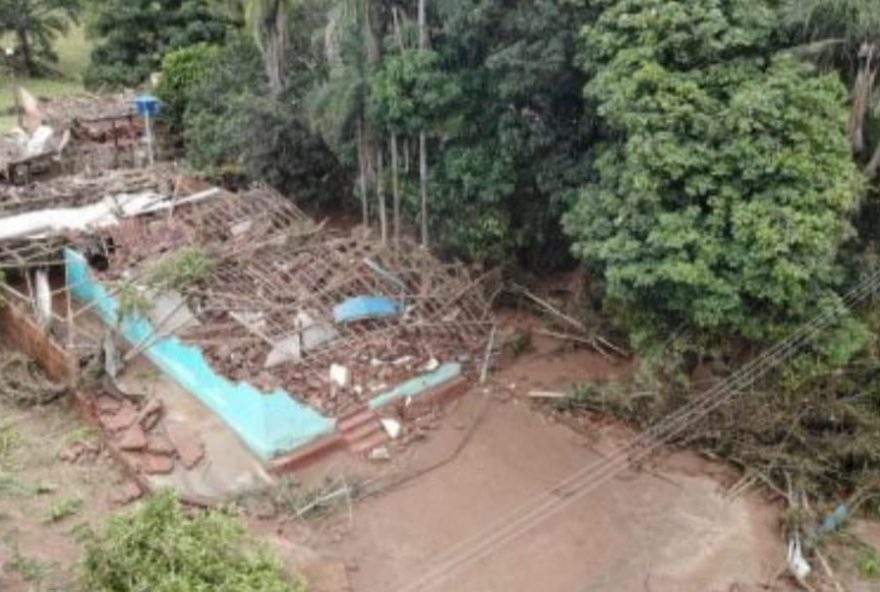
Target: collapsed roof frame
275 267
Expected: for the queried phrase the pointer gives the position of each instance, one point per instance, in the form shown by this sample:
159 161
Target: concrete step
362 431
367 444
356 419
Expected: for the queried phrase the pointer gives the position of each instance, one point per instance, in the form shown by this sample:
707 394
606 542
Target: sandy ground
669 530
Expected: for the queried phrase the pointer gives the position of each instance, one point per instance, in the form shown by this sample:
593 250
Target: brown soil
671 529
43 499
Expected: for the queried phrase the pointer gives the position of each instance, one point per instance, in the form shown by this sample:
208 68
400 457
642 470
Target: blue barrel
147 105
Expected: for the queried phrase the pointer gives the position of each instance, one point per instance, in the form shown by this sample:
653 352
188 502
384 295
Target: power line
593 476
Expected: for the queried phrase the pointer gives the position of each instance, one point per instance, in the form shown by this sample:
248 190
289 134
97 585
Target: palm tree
270 20
338 108
846 34
35 24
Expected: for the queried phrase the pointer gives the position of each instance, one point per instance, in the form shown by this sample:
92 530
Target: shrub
184 71
185 268
160 548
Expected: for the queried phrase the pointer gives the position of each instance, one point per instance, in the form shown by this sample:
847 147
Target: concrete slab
229 468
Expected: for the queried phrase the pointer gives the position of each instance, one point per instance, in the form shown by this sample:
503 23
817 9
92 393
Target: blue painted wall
418 386
270 424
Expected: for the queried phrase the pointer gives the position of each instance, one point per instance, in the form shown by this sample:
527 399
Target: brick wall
20 332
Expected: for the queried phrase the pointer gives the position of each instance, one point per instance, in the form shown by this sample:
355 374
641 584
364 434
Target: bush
160 548
184 71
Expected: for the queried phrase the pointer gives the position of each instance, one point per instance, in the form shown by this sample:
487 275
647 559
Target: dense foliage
234 127
133 36
34 25
724 191
161 548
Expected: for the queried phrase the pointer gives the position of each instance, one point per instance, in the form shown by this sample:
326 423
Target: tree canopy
35 25
725 185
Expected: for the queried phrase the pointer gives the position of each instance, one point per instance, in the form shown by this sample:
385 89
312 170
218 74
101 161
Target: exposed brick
159 443
133 438
156 464
188 444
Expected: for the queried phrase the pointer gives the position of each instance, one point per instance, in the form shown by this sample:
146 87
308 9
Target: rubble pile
149 444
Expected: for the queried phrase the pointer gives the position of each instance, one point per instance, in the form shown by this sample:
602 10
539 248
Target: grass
9 442
30 569
73 55
869 563
63 509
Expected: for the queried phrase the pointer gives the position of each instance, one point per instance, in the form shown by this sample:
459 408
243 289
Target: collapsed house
294 334
71 135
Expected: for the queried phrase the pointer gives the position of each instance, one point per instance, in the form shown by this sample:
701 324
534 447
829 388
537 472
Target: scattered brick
156 464
124 418
188 444
107 405
150 414
133 438
72 453
159 443
127 493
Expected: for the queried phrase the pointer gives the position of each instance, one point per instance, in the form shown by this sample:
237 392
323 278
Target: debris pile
279 301
23 383
69 135
149 443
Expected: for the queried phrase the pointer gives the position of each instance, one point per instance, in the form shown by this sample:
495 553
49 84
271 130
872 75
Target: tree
845 33
133 36
270 21
35 24
724 188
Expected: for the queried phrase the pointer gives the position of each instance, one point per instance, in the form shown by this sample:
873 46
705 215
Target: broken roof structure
71 135
277 324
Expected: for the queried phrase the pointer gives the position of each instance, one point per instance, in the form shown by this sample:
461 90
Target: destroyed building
295 335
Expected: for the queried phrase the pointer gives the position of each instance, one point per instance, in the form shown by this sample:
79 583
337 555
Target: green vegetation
162 548
34 26
73 57
132 301
183 269
724 225
63 509
31 569
869 563
712 165
9 441
133 36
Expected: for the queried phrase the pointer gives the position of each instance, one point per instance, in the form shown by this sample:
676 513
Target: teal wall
270 424
418 386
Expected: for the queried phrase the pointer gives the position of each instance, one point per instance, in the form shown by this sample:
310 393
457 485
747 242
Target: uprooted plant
815 422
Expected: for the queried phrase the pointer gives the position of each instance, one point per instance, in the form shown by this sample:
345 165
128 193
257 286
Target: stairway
362 431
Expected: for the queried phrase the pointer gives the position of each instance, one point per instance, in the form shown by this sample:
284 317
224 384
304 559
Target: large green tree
726 182
35 25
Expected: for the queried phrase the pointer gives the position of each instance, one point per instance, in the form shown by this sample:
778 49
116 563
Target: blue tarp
361 308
